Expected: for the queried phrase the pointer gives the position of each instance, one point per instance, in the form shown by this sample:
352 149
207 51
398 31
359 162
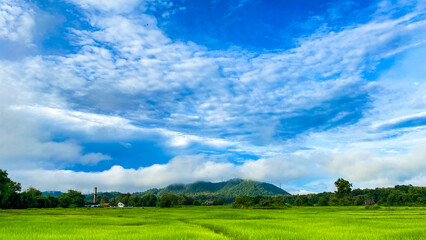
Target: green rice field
214 223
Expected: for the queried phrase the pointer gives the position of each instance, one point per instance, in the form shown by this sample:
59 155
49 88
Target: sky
128 95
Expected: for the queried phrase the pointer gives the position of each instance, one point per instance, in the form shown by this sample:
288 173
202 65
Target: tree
149 200
34 192
264 202
124 198
301 200
168 200
77 199
242 201
396 198
277 202
64 200
113 202
135 201
322 202
53 202
185 200
359 200
217 201
344 188
8 190
103 199
71 199
26 200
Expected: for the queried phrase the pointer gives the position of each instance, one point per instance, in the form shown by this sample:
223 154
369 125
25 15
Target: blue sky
133 94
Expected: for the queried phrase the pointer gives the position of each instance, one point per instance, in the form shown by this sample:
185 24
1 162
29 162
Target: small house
209 202
369 202
106 204
120 204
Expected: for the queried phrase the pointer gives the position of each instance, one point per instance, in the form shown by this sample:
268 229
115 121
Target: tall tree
8 190
344 188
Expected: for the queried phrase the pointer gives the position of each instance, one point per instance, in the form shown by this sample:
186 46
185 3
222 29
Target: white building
120 204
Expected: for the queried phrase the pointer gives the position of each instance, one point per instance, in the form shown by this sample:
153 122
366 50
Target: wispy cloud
414 120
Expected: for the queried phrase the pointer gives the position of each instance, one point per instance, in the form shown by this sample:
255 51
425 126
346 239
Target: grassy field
214 223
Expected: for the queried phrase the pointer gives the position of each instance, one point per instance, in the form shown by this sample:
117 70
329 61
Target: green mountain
89 196
52 193
227 189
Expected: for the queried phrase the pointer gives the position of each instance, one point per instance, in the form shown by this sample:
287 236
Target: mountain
52 193
227 189
89 196
203 190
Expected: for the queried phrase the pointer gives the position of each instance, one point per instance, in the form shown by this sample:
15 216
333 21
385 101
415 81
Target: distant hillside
52 193
228 189
89 196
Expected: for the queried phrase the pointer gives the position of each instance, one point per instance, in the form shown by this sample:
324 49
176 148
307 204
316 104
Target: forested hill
227 189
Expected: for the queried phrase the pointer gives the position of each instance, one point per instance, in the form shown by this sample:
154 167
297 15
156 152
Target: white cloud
16 21
395 122
110 127
118 6
143 59
181 169
24 145
77 120
24 142
363 169
93 158
127 6
368 169
276 169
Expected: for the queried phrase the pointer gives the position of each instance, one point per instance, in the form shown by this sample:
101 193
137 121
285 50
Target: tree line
166 200
11 196
400 195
